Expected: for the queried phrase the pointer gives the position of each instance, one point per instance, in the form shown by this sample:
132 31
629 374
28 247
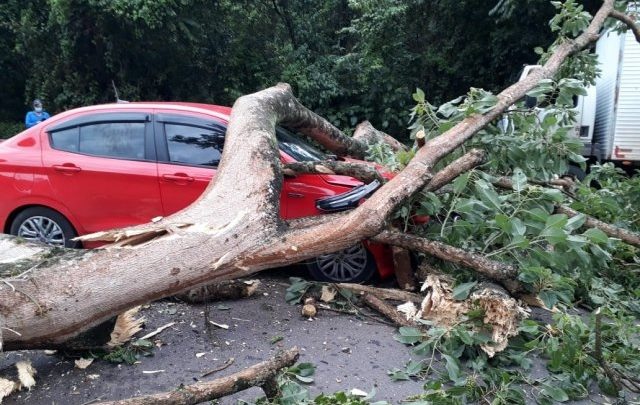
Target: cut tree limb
261 374
366 133
502 273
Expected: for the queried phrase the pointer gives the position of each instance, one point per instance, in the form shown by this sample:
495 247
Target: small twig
13 289
155 332
338 310
220 368
11 330
613 377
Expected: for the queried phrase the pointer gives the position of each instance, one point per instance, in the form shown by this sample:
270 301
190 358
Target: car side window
66 139
124 140
194 145
113 139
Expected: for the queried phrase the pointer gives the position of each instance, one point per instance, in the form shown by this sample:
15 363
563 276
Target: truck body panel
617 121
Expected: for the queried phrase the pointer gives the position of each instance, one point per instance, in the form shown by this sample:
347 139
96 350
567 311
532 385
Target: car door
189 150
102 167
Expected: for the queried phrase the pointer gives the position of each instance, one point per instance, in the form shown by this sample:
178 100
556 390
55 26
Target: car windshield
297 148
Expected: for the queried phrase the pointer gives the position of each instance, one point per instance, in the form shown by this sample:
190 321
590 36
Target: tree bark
363 172
367 134
256 375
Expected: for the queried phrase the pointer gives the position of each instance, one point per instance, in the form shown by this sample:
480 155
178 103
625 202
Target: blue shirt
33 118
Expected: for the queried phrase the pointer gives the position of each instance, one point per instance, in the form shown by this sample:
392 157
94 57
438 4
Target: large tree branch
361 171
625 235
628 21
613 231
502 273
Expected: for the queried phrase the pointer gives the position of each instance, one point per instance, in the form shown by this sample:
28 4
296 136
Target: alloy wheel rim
345 265
42 229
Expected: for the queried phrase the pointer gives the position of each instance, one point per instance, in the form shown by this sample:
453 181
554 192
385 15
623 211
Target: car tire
352 265
44 225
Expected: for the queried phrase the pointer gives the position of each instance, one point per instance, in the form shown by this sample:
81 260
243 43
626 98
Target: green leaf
461 291
555 393
556 221
452 366
487 194
419 96
409 335
549 298
460 183
575 222
595 235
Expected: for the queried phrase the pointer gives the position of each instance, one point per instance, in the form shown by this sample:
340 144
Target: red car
110 166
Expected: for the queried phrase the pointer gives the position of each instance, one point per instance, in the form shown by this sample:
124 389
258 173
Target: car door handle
67 168
178 177
295 195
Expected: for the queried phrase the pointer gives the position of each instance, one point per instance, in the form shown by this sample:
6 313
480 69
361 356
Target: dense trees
333 52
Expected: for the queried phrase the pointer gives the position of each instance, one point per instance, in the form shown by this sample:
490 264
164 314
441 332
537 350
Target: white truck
608 117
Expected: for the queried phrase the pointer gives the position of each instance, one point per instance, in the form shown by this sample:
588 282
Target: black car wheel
39 224
352 265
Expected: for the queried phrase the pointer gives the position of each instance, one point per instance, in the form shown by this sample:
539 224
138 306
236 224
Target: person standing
37 115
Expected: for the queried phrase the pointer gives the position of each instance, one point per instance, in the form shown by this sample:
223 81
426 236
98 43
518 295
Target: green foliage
9 129
68 52
130 352
292 393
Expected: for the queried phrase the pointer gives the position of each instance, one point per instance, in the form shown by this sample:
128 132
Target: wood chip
83 363
152 371
155 332
219 325
328 293
7 387
25 374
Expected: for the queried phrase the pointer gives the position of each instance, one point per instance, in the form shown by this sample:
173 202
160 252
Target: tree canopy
333 52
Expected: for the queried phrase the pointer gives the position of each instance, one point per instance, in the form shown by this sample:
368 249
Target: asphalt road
348 352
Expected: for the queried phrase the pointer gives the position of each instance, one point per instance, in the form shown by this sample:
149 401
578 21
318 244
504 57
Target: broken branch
363 172
385 309
502 273
382 293
628 21
256 375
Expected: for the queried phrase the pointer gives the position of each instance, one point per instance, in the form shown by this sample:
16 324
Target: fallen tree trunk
259 375
234 228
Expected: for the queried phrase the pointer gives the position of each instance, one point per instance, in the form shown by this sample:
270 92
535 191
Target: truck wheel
44 225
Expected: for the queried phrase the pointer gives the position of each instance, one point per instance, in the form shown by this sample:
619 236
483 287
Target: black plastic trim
99 118
348 200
